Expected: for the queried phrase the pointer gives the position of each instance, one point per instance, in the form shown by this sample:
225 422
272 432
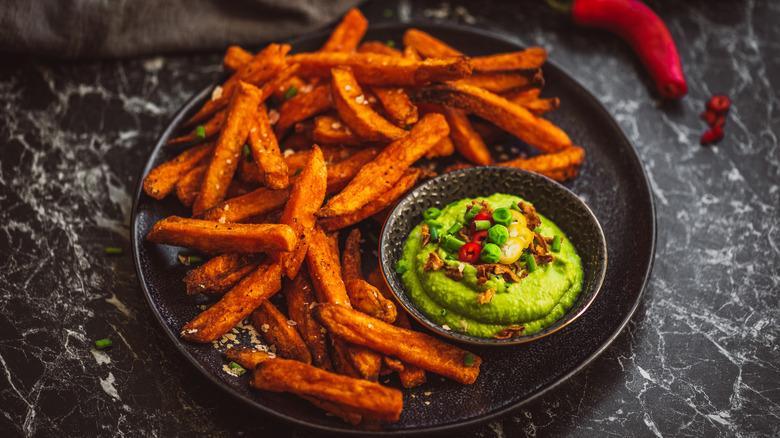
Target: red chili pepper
709 117
479 237
712 136
469 253
481 216
718 104
644 31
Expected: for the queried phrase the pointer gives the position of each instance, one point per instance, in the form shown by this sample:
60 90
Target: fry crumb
265 328
216 93
446 327
427 402
222 220
427 392
290 322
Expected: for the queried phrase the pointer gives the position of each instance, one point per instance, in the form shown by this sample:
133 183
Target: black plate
612 182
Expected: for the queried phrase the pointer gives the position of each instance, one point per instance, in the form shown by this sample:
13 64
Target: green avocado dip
488 297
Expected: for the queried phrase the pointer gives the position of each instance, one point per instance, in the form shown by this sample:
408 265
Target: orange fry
530 58
235 305
375 69
369 399
427 45
242 109
303 106
188 186
324 271
263 201
444 148
299 294
560 166
214 238
380 48
331 130
367 299
353 108
465 139
386 169
265 150
235 58
210 129
499 82
347 35
162 180
532 129
375 206
530 100
306 196
220 274
397 105
351 261
412 347
274 328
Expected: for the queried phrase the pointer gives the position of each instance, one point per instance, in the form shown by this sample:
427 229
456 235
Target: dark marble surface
699 358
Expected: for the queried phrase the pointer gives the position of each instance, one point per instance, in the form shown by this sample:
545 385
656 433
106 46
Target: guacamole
474 300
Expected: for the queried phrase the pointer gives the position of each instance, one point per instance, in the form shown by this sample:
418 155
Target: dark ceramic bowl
550 199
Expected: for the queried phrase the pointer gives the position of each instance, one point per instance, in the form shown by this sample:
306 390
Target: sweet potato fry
560 166
235 58
380 48
308 193
530 100
386 169
284 87
214 238
365 298
444 148
266 153
347 35
303 106
412 347
333 245
235 305
188 186
500 82
465 139
339 354
411 375
264 66
427 45
369 399
242 109
375 206
530 59
354 110
399 108
277 330
210 128
299 294
161 180
351 261
375 69
220 274
324 271
262 200
532 129
331 130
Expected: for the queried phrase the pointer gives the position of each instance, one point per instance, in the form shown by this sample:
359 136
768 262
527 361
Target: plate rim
184 110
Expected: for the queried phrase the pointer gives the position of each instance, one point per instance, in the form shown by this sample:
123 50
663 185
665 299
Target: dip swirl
535 301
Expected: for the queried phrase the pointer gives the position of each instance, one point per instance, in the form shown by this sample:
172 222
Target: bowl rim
420 317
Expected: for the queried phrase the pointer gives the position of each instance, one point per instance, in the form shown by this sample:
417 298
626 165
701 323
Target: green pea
432 213
498 234
502 216
491 253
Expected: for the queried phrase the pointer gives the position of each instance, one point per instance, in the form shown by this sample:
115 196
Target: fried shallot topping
483 272
513 331
425 232
434 262
454 273
544 259
463 233
484 204
486 296
529 212
505 271
541 242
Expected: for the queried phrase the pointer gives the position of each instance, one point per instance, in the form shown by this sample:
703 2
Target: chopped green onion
239 370
530 261
443 312
387 13
103 343
200 132
502 216
556 244
481 225
435 233
113 250
291 92
468 360
298 172
515 207
390 43
400 267
538 230
434 224
187 258
473 212
452 244
432 213
247 153
455 228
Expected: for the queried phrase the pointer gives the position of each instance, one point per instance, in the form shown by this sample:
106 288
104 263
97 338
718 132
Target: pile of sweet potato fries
352 119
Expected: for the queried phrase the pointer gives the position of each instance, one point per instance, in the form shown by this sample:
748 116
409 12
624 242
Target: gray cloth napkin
121 28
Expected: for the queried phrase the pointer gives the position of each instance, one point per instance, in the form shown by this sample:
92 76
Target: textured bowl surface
550 199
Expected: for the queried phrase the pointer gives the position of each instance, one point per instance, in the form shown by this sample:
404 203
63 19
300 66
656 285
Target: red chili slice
712 136
469 253
709 117
479 237
718 104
